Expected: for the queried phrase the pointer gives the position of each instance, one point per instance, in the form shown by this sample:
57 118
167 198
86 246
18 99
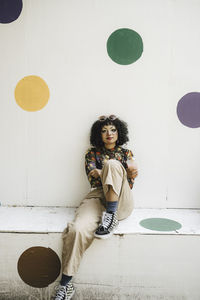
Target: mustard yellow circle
32 93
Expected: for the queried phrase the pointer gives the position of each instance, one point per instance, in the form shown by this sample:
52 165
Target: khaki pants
79 234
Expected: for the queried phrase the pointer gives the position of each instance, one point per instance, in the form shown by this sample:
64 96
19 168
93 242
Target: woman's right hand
95 173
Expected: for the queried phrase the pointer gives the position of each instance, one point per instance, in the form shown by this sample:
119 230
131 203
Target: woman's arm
90 167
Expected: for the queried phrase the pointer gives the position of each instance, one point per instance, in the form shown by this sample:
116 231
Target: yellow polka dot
32 93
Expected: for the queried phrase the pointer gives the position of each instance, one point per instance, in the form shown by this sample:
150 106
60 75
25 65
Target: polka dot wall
124 47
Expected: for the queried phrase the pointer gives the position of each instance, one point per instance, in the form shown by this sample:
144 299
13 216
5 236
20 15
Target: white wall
64 42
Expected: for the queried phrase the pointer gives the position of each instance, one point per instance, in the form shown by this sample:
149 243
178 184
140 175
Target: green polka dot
124 46
160 224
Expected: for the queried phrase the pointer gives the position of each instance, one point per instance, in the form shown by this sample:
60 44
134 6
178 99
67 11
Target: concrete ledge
127 267
55 219
135 264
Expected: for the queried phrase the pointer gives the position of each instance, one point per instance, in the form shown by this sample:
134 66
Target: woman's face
109 136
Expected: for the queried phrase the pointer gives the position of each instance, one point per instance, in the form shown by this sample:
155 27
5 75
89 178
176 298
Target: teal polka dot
160 224
124 46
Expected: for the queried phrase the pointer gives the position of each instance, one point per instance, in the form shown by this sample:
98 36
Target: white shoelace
61 293
106 219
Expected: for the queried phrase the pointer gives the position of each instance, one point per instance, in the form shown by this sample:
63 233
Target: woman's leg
119 202
79 234
111 196
77 237
116 187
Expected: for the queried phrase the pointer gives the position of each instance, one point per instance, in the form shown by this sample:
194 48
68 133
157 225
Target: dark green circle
124 46
160 224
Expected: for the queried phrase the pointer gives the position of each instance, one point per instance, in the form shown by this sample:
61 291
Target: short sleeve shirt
95 159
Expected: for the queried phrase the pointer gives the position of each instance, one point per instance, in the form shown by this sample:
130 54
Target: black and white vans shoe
108 225
64 292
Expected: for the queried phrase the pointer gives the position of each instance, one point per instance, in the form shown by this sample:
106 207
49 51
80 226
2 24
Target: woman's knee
114 166
112 163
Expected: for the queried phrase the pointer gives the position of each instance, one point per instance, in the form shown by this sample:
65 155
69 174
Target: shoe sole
103 237
106 236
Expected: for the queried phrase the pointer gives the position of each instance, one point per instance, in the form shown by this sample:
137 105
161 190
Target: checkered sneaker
64 292
108 225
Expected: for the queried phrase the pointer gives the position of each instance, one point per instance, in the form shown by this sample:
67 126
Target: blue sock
65 279
111 206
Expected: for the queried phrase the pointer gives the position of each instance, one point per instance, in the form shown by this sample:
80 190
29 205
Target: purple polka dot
10 10
188 110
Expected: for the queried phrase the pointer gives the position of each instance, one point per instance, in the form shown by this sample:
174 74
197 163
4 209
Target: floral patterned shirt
95 159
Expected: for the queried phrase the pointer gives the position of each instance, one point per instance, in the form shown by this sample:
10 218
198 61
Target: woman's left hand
132 170
95 173
132 173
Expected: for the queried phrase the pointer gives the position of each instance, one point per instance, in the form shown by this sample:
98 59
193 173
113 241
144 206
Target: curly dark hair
95 133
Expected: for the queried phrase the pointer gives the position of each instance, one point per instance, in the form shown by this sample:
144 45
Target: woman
111 171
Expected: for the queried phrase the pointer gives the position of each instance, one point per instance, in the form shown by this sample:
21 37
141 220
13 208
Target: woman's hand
132 173
95 173
132 170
